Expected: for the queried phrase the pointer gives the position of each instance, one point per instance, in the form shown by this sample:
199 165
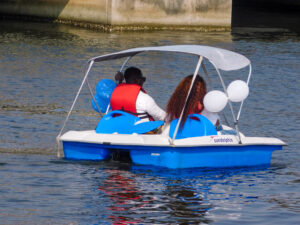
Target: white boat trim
90 136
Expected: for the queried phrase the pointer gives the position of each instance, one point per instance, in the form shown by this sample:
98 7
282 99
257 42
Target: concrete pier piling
159 14
126 13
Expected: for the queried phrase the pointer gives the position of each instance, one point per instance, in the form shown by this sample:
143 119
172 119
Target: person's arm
145 103
213 117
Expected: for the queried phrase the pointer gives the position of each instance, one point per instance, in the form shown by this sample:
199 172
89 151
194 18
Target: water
41 67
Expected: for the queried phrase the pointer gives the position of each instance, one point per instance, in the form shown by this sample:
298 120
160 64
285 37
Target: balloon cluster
104 90
215 101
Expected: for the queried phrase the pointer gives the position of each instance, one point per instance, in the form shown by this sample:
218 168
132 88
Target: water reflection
137 201
186 205
123 192
162 196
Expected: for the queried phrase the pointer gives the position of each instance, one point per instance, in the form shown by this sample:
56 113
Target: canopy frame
179 49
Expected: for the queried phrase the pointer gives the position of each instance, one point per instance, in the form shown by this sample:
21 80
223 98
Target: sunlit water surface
41 67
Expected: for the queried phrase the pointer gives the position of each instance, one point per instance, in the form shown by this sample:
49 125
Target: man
132 98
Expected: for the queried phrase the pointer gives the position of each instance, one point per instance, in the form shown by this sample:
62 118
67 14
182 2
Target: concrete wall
94 11
172 12
125 12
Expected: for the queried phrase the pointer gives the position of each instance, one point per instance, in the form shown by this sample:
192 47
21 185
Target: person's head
134 75
194 102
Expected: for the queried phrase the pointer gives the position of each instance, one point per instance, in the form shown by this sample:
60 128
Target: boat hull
176 157
85 151
216 156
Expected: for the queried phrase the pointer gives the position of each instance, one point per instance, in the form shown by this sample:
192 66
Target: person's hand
119 77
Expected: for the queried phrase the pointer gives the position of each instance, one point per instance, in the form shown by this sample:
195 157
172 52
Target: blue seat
195 125
124 123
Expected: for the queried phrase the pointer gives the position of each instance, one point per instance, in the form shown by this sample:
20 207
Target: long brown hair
177 100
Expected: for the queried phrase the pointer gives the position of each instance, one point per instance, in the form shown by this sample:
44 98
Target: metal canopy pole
125 62
92 94
121 69
248 80
207 77
192 83
230 104
75 100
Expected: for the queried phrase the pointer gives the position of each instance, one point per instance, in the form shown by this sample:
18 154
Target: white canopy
221 58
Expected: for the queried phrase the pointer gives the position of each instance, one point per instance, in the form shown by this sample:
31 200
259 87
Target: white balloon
237 91
215 101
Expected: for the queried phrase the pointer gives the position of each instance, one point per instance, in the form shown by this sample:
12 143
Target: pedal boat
199 144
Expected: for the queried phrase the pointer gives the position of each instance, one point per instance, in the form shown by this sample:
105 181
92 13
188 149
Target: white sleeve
145 103
213 117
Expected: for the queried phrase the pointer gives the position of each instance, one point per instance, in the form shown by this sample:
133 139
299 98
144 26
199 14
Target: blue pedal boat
198 144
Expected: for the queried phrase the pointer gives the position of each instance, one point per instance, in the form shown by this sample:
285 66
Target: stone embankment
126 14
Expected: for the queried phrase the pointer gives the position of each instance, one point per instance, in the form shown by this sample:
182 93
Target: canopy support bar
121 69
93 97
230 104
192 83
69 113
125 62
207 77
248 80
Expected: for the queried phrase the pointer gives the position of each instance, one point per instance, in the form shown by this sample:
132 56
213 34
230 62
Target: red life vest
124 98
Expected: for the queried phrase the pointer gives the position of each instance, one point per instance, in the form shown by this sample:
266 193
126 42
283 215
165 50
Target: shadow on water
268 35
266 14
34 10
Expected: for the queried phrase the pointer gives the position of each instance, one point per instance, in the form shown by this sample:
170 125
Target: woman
194 103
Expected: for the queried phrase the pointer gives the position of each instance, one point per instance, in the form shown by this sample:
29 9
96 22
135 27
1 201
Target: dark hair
134 75
177 100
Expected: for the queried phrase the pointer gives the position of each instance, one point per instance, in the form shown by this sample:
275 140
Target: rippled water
41 67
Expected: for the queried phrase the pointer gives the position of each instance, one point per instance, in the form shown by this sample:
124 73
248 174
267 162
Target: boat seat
124 123
195 125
